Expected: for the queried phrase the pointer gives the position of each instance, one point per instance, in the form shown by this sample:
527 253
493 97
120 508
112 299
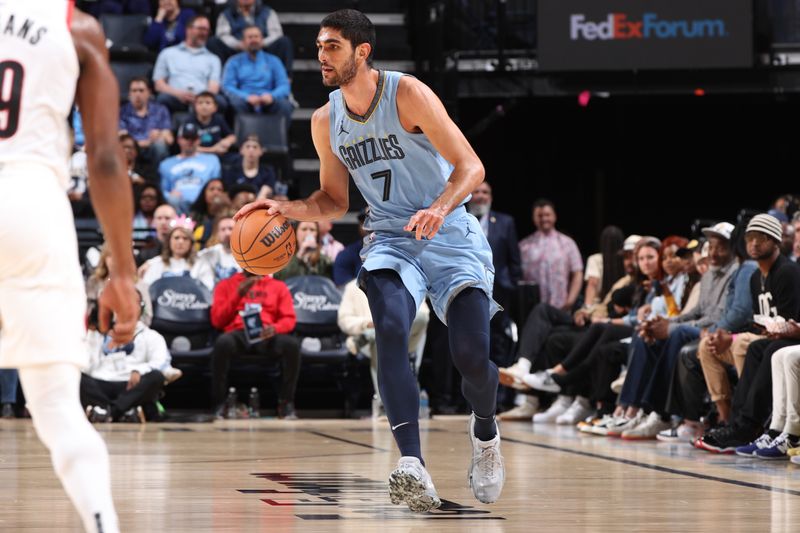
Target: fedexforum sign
644 34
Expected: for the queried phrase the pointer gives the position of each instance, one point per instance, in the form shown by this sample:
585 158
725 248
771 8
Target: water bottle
230 403
424 406
255 403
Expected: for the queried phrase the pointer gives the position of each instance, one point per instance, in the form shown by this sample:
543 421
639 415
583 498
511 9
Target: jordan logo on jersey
371 149
469 230
341 129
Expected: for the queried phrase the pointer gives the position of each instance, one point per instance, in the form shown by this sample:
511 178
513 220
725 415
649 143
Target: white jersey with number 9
38 74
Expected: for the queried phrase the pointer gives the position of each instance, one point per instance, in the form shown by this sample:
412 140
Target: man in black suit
501 232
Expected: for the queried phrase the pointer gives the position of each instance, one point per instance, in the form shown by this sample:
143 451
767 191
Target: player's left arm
421 110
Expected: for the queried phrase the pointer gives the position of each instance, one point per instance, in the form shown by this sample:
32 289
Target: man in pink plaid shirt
551 259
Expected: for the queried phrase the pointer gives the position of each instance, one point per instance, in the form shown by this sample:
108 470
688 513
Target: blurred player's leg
78 453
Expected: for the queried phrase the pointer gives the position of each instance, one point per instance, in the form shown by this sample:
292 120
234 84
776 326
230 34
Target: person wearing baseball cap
775 290
662 339
184 175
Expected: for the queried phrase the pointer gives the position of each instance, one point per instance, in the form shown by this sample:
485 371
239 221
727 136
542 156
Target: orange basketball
262 243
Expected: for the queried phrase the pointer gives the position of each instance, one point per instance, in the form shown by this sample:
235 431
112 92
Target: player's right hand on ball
272 207
119 297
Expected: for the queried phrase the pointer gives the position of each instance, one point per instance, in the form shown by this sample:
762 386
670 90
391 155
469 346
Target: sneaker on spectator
647 429
779 449
617 430
608 423
95 413
543 381
522 412
723 440
589 421
795 458
794 452
411 484
577 411
8 411
286 410
134 415
749 450
172 374
616 385
512 375
589 424
558 408
686 432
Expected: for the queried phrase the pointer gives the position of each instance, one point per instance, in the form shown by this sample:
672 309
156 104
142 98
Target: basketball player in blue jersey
416 170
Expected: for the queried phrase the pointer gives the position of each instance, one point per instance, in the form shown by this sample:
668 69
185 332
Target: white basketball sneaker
411 484
487 473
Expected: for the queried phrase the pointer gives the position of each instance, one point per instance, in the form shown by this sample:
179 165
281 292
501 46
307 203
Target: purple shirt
157 118
548 260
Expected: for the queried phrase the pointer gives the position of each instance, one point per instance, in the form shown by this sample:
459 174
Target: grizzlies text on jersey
397 172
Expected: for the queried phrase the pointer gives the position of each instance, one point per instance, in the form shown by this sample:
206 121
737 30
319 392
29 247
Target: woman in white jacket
355 320
178 258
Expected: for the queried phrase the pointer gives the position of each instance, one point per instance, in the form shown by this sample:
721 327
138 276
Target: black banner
644 34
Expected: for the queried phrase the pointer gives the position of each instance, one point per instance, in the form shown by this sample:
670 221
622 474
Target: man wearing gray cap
655 351
775 287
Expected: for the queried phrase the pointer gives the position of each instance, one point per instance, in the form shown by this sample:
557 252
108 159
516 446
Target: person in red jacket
241 300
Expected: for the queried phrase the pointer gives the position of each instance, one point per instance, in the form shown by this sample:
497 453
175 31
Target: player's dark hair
354 26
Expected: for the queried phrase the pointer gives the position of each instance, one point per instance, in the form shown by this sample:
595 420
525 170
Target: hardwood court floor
330 475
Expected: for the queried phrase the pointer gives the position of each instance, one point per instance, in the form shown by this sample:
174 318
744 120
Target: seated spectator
178 259
215 135
218 252
211 201
168 28
241 195
119 381
163 217
249 169
783 434
242 13
270 300
147 200
131 151
308 259
185 70
330 246
348 262
148 122
98 279
184 175
775 287
655 350
255 81
355 320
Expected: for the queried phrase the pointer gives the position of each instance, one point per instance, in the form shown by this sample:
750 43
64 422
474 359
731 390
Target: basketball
262 243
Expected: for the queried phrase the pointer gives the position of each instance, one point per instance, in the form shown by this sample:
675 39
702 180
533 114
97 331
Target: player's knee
392 329
470 352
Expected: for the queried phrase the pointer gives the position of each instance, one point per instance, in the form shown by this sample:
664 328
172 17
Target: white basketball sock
78 453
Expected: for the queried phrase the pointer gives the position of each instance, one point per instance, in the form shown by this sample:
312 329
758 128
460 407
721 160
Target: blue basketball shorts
456 258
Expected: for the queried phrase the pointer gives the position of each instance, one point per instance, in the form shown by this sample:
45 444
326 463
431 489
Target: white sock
524 365
78 453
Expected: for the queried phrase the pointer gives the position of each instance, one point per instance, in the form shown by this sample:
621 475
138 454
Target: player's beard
345 75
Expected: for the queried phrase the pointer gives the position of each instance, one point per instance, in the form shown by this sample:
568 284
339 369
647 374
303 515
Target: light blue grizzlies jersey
397 172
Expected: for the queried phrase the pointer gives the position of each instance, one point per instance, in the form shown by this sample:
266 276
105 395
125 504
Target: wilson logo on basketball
275 234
